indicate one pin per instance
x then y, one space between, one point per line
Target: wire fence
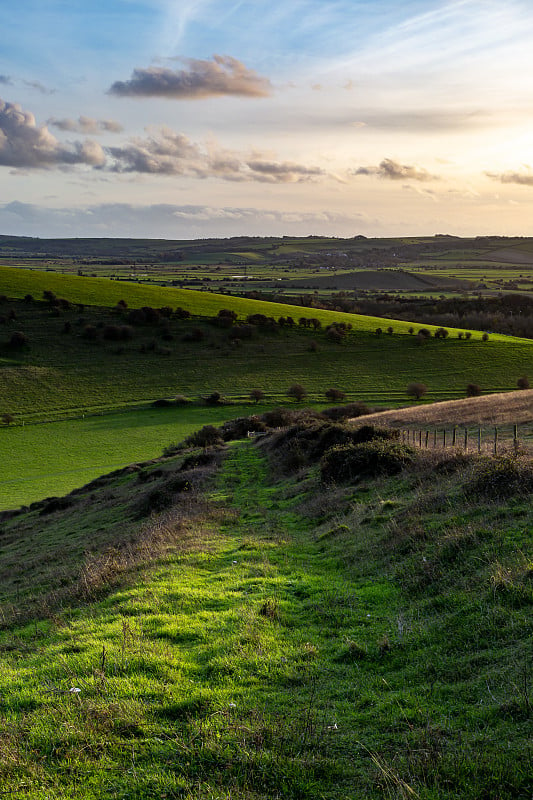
495 439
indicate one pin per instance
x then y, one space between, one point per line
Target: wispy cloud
394 171
521 178
6 80
39 87
23 144
223 75
86 125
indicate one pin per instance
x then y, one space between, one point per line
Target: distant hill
387 280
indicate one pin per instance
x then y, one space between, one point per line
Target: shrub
473 390
90 333
214 399
335 334
379 331
278 418
468 335
256 395
244 331
347 411
335 395
424 333
501 478
111 333
195 335
7 419
297 392
208 436
238 428
18 340
390 330
441 333
416 390
350 462
523 382
485 337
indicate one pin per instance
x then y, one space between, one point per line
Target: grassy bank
279 640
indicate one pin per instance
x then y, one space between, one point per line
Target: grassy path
266 657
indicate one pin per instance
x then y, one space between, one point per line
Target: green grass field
63 375
40 460
274 640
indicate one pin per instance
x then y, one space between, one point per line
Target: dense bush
214 399
346 412
242 332
473 390
18 340
501 478
523 382
334 395
238 428
208 436
350 462
307 440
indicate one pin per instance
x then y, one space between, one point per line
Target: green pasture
39 460
17 283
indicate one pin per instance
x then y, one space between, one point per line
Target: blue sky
200 117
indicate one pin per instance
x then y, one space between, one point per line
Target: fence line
495 438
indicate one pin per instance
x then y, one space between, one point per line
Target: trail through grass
268 656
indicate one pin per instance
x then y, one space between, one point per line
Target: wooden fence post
427 439
466 440
420 437
444 438
454 437
434 438
479 439
495 441
515 437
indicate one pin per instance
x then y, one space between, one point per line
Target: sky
192 119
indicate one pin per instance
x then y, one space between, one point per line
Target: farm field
40 460
62 373
65 373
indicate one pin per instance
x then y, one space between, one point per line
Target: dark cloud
522 178
173 221
223 75
25 145
5 79
86 125
170 153
392 170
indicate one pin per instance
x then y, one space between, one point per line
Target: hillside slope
222 624
497 409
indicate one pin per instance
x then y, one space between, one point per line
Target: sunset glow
199 118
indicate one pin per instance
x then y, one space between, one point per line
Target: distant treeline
510 314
